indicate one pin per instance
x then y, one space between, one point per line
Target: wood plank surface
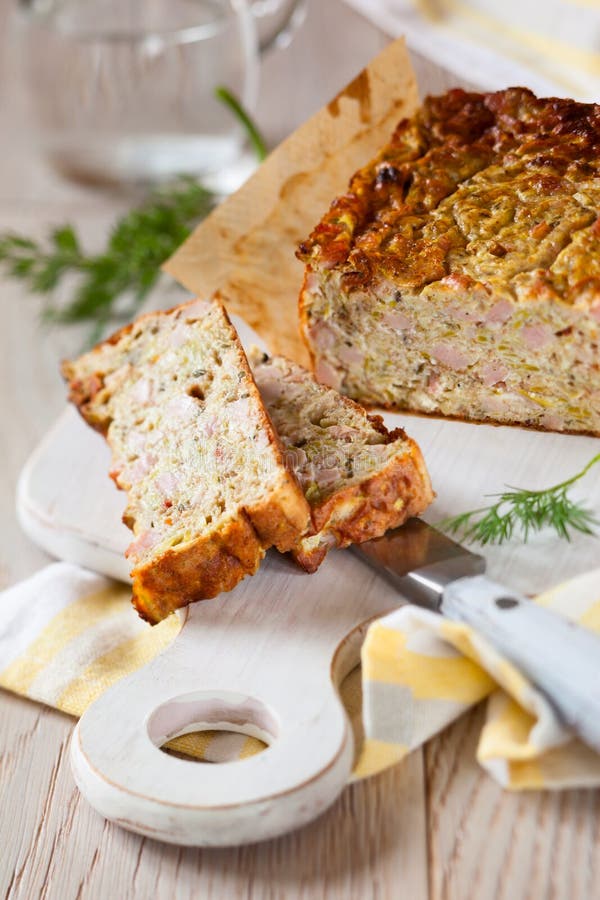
435 826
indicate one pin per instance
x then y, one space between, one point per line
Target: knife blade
558 656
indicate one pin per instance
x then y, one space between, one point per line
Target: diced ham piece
240 411
295 458
493 372
326 477
506 404
136 442
144 542
553 422
350 356
450 356
463 314
179 335
181 407
323 336
500 312
140 467
397 320
595 311
326 374
342 432
271 388
197 309
536 336
494 405
167 483
141 391
433 383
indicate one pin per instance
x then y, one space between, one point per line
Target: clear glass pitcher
124 90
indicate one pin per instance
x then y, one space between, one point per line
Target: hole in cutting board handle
212 711
213 747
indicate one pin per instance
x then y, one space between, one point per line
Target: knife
559 657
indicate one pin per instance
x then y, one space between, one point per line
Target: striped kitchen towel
552 47
420 672
67 634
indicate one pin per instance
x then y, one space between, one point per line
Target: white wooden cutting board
69 506
262 660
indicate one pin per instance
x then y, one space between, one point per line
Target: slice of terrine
359 478
208 488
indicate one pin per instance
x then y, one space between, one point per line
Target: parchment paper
245 249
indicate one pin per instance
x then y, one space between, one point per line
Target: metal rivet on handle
506 602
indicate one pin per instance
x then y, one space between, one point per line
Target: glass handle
276 21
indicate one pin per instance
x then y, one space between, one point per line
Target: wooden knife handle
559 657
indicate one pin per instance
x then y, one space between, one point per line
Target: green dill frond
518 510
111 286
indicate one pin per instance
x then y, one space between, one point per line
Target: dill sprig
519 509
110 286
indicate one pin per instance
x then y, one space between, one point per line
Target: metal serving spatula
559 657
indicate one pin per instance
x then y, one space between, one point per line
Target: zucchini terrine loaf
358 478
460 273
207 485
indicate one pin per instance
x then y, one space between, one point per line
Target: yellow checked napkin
420 672
550 46
67 634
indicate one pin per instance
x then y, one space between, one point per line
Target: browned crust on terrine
461 269
84 390
215 563
378 227
509 423
303 323
374 504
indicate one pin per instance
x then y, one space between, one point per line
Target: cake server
558 656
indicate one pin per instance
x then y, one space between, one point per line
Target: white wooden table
435 826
